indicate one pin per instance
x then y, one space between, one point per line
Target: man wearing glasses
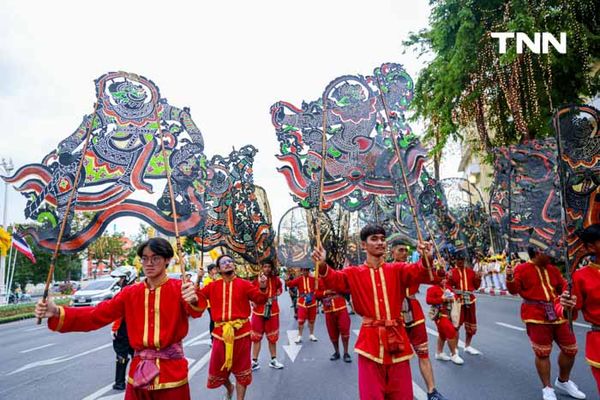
156 312
229 300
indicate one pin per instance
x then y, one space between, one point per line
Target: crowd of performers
382 293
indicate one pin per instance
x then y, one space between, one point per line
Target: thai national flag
21 245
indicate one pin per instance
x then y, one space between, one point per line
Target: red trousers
469 318
542 335
379 382
592 354
418 340
596 373
262 326
445 328
307 314
338 323
178 393
241 366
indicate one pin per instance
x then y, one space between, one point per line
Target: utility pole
7 167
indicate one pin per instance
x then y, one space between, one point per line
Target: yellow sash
229 328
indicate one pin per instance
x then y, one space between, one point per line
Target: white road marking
582 325
100 392
37 348
56 360
37 328
198 366
192 341
97 394
418 393
516 328
433 332
292 349
118 396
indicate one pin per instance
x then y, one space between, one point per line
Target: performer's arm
193 303
573 301
513 279
258 294
294 282
84 319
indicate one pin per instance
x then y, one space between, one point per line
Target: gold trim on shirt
157 318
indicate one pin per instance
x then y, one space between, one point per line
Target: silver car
94 292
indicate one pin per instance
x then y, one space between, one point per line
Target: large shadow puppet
124 155
360 160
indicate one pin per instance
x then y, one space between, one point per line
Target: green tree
67 266
107 247
505 97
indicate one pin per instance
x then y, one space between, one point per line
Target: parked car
94 292
177 275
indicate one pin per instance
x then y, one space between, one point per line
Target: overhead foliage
508 97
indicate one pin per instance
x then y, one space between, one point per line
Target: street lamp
7 167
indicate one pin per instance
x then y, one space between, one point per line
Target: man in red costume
265 317
464 281
337 320
229 300
586 298
378 289
307 303
414 322
539 283
156 312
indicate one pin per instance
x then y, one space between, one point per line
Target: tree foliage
505 97
67 267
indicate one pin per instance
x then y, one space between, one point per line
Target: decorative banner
526 187
361 163
580 140
124 155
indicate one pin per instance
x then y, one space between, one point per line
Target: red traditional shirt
274 289
377 296
156 318
230 301
332 301
306 288
465 280
537 284
586 286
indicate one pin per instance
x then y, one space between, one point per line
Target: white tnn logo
539 44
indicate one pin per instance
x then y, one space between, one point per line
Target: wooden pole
68 209
411 200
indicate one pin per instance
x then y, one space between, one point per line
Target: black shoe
435 395
119 386
347 358
335 356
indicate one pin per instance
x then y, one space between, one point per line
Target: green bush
15 312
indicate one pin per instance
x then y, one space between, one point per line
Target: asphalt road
36 363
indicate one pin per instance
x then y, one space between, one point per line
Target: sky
227 61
